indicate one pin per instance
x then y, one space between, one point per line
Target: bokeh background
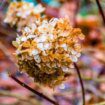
83 14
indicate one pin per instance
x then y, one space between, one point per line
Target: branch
89 52
81 82
33 91
102 103
8 55
97 80
41 2
101 11
17 96
95 91
5 50
6 30
2 4
76 11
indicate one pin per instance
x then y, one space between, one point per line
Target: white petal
26 29
6 20
18 40
37 58
27 12
18 52
64 46
42 38
53 21
48 64
31 36
40 46
33 27
73 52
78 54
62 86
35 52
19 14
31 5
24 39
46 46
65 69
38 9
51 37
71 66
44 53
67 55
42 29
24 7
73 58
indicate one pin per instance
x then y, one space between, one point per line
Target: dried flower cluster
20 14
47 49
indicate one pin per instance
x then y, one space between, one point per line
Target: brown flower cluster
47 49
20 14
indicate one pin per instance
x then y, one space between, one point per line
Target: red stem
101 11
32 90
81 82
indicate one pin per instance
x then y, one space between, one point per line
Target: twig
41 2
81 82
101 11
9 104
94 57
17 96
2 4
89 52
5 50
97 80
102 103
34 91
95 91
5 29
76 11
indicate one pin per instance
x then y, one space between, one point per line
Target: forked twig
102 103
76 11
33 91
101 11
6 93
5 50
41 2
81 82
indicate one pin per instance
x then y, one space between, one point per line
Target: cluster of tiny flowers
47 49
20 14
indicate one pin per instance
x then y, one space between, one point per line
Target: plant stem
101 11
2 4
41 2
9 56
81 82
31 101
102 103
76 11
34 91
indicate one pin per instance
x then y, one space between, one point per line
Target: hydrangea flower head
47 49
20 14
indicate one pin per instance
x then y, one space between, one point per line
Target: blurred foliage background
82 13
